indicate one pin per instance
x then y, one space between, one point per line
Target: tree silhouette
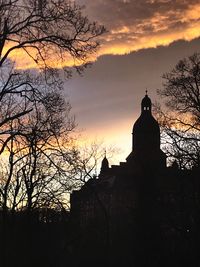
36 145
30 102
181 121
44 29
47 32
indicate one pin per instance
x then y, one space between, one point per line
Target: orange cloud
159 30
164 23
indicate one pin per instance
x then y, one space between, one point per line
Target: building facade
141 212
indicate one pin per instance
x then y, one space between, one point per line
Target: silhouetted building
141 212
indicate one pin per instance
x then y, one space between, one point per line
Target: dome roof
146 123
146 150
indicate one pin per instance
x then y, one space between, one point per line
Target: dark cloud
115 13
130 23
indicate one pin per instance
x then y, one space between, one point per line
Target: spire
104 164
146 104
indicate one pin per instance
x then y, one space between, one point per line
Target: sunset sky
145 39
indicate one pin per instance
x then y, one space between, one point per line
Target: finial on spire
105 152
146 91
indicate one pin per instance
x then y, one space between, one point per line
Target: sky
145 39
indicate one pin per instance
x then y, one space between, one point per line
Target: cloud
139 24
134 25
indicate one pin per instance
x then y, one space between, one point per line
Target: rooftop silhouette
130 212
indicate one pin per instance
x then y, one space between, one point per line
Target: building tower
104 165
146 150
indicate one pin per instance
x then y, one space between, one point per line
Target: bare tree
30 108
46 29
37 156
46 32
180 122
40 164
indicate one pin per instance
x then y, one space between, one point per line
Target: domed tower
146 130
146 138
104 165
